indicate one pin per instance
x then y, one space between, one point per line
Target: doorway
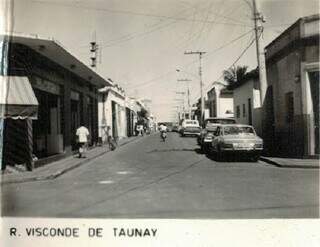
314 86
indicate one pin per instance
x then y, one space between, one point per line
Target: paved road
149 178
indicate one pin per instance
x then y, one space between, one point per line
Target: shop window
238 111
289 107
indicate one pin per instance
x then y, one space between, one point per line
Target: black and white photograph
160 109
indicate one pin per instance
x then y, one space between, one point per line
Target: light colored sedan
210 125
190 128
237 139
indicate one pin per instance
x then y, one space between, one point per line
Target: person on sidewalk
82 136
112 142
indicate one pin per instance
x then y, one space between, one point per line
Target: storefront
20 106
66 92
47 134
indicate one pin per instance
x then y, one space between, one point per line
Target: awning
54 51
17 99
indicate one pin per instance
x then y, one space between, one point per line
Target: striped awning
17 99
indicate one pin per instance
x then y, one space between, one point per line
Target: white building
220 101
112 112
246 97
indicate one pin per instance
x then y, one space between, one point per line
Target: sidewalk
56 169
292 163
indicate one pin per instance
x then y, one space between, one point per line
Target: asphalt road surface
149 178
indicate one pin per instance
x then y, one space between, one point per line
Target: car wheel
219 155
255 158
203 149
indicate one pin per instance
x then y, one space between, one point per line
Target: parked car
190 127
209 127
236 139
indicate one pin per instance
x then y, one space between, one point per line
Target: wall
105 109
226 104
284 58
219 102
248 90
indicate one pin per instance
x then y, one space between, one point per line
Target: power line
227 44
130 36
194 61
136 13
238 58
140 34
223 16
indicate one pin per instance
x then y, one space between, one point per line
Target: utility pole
188 94
258 28
200 53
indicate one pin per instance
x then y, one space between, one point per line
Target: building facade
67 95
247 107
112 112
220 101
292 62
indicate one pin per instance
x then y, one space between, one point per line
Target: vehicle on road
236 139
209 127
163 135
163 131
190 128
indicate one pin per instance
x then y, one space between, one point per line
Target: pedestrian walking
82 137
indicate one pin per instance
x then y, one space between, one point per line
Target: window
238 130
217 132
238 111
289 107
244 110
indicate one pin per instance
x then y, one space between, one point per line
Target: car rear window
192 122
221 121
237 130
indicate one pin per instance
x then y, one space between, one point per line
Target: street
149 178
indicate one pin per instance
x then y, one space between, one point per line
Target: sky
142 42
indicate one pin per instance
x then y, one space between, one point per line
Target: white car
190 127
209 127
237 139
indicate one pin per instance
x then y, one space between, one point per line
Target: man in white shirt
163 131
82 134
162 128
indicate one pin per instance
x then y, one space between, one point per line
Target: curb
272 162
63 171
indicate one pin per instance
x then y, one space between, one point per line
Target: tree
234 76
142 113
